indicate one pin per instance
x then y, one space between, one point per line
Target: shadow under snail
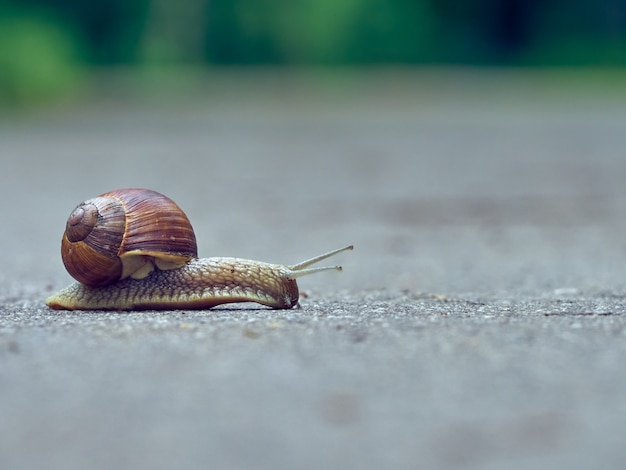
133 249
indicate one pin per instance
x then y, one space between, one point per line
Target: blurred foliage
38 60
319 32
41 55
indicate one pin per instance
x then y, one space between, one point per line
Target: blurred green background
51 49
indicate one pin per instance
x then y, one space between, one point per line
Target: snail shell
126 233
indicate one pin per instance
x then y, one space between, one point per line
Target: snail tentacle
302 268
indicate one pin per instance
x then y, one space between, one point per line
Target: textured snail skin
200 284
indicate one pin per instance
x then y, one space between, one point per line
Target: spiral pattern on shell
126 233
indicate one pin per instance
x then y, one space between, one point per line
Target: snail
135 249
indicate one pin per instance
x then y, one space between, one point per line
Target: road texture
480 321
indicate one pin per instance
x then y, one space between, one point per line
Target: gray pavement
479 323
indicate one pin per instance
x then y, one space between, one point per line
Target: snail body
135 249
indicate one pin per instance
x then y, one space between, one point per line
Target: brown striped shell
126 233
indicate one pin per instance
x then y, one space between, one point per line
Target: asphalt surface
480 321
